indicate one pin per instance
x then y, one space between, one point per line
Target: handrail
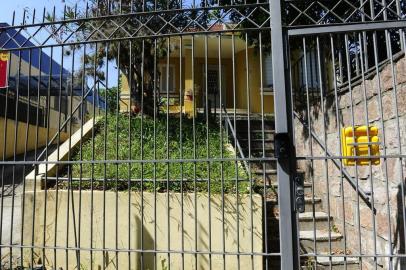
368 74
363 194
237 144
65 122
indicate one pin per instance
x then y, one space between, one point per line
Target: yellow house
234 76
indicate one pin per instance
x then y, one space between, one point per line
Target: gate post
284 150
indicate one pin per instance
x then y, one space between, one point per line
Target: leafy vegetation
119 138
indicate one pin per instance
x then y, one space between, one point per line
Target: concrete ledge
34 178
132 222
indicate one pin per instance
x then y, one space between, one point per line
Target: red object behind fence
3 70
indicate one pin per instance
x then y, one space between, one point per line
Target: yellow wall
21 137
147 230
240 83
125 89
254 86
227 73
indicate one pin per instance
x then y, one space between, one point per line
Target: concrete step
337 263
255 131
307 187
258 148
256 140
272 203
322 239
261 171
257 145
255 124
318 220
258 152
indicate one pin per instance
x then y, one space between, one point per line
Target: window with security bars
167 79
267 73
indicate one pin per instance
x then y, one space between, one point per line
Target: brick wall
351 215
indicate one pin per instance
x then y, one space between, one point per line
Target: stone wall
352 216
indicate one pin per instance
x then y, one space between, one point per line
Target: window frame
162 69
266 89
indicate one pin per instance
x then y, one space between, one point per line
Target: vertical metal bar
117 112
48 115
58 152
352 120
338 119
25 153
323 112
4 153
142 151
95 93
154 149
247 85
130 83
310 126
107 47
385 164
3 167
194 151
208 113
263 165
71 98
16 122
168 211
221 152
236 153
181 78
82 108
288 220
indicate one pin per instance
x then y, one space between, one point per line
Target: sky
9 6
18 6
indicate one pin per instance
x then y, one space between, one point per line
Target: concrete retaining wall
124 209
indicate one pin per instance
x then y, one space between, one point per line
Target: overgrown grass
118 138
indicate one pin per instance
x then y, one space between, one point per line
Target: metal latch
299 194
282 145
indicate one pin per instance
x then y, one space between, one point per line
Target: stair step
305 185
308 216
336 260
272 171
266 171
320 221
256 148
307 200
321 238
321 235
245 130
273 202
337 263
257 145
256 140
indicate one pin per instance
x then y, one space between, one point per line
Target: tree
310 12
135 58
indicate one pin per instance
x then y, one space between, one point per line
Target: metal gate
204 135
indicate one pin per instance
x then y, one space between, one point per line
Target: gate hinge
299 194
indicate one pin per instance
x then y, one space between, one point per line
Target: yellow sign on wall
4 56
364 141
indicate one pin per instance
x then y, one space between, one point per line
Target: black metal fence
204 135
